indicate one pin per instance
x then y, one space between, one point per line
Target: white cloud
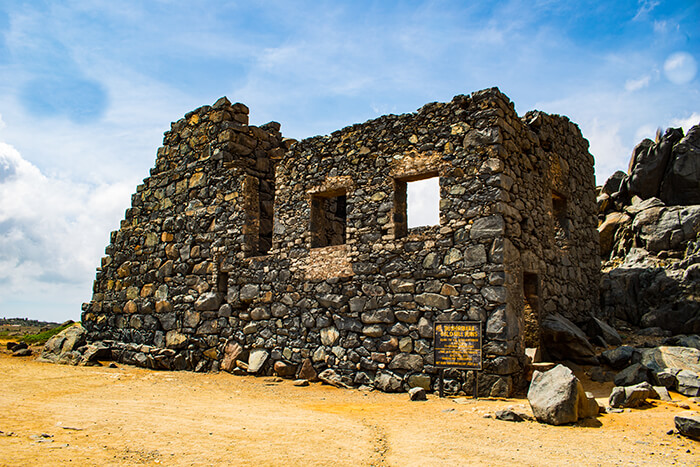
687 123
645 7
632 85
680 68
52 234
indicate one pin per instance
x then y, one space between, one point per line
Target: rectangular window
259 196
328 219
416 203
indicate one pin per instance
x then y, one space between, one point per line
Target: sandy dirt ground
61 415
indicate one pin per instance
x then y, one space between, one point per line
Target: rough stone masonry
246 250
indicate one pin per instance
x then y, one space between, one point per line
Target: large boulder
648 164
666 228
634 374
557 397
681 183
660 358
65 342
563 340
605 334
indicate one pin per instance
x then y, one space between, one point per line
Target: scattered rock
232 351
508 415
632 396
557 396
329 376
387 382
14 346
301 382
688 424
256 360
285 369
688 383
417 394
307 371
22 353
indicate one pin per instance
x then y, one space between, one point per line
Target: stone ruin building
246 251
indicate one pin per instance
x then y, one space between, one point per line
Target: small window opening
259 195
328 219
416 203
561 219
222 283
531 309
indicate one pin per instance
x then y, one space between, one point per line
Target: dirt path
132 416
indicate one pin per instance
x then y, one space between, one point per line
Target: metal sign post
457 344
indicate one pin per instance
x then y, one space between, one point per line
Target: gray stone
407 361
256 360
633 374
433 300
688 383
22 353
209 301
385 316
417 394
249 292
419 381
632 396
688 424
609 335
554 396
329 376
683 358
387 382
487 227
508 415
619 357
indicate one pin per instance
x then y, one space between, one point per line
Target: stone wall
202 273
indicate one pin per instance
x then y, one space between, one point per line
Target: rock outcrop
649 226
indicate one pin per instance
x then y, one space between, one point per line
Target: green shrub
42 337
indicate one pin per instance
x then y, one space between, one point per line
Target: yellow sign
457 344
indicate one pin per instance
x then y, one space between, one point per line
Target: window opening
222 283
259 195
416 203
531 309
328 219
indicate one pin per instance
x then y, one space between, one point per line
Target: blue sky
88 87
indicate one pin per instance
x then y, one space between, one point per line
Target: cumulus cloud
52 234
